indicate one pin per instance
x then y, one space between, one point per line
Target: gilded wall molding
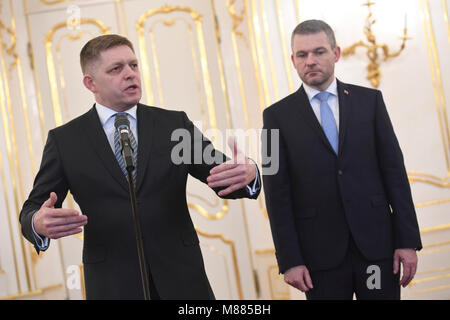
32 293
52 2
224 259
232 246
51 64
202 70
236 18
12 151
441 107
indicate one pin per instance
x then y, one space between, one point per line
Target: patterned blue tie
327 119
118 153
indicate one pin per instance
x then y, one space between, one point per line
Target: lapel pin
346 92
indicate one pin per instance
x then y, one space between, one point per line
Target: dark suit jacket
317 198
77 156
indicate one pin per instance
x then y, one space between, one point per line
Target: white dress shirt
107 119
333 101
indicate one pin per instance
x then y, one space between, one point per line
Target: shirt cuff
42 244
253 189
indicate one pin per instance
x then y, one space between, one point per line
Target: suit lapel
146 132
102 147
344 96
308 114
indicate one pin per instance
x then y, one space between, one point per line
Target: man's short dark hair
313 27
92 49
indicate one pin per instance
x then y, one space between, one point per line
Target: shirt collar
311 92
104 113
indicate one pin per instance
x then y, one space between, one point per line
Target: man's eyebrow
314 49
120 62
114 63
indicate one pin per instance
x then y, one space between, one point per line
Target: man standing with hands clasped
83 156
340 206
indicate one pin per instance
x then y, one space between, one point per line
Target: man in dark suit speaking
83 156
340 205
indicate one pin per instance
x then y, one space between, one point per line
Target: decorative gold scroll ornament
10 50
374 72
237 18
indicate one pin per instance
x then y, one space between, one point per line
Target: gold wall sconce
373 68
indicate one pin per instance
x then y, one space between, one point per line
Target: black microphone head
121 121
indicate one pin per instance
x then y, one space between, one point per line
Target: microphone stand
127 154
139 238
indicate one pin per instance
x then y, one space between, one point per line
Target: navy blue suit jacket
317 198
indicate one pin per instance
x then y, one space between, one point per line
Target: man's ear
89 83
337 53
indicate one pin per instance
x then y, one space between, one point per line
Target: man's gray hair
313 27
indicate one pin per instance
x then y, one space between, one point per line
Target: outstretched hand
56 223
234 174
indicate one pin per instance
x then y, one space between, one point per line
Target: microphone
122 125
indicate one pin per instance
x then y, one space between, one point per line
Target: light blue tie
327 119
118 153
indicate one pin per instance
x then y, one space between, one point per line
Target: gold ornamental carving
236 18
373 68
11 48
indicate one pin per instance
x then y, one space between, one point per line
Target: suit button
340 172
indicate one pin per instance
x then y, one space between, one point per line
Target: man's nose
310 59
129 73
